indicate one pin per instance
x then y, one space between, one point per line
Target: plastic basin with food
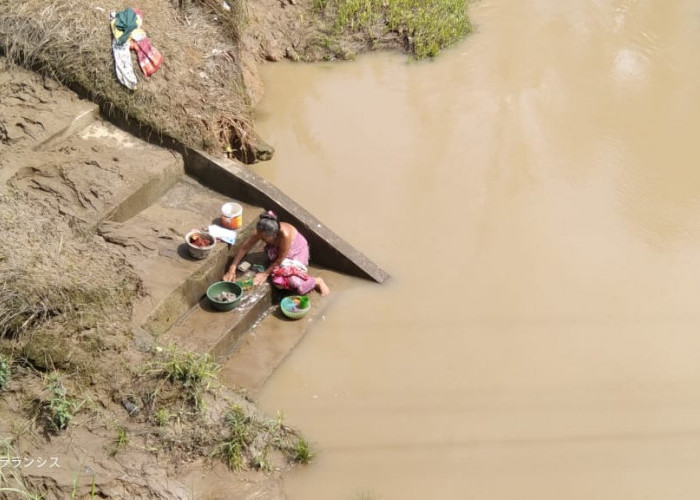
224 295
199 243
295 306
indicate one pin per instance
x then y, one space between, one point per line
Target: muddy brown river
535 195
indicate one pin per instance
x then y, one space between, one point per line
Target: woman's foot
321 287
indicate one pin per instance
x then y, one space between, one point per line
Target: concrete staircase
144 199
147 205
252 339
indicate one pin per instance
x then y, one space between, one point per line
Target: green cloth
126 22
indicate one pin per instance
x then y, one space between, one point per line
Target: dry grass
197 97
61 289
52 273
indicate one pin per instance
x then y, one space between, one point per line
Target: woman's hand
230 275
260 278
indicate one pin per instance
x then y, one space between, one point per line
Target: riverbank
209 83
124 416
90 404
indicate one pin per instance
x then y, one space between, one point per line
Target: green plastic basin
293 311
224 286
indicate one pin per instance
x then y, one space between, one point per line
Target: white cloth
293 263
223 234
123 66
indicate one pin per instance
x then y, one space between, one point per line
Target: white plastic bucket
231 215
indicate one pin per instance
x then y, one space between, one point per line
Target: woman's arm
245 248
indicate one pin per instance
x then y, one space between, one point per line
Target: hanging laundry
124 23
123 65
150 59
128 34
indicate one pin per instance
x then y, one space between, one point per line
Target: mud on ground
204 93
89 409
199 94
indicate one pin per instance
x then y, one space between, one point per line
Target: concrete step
37 112
207 330
262 349
148 170
154 245
100 173
85 114
204 329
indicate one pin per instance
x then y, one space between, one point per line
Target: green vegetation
120 442
241 435
249 440
162 417
191 371
74 495
59 409
301 452
426 26
232 453
5 371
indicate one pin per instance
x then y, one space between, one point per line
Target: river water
535 194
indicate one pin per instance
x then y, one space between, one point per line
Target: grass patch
193 373
5 371
249 441
59 408
232 453
301 452
162 417
120 442
426 26
241 434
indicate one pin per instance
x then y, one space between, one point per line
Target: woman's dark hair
268 224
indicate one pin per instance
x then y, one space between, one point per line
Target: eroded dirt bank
89 404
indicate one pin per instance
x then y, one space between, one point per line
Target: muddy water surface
535 195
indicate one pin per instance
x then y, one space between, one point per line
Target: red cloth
150 59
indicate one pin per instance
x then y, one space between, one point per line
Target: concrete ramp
329 249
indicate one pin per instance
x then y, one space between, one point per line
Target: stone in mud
142 340
131 407
255 150
273 51
263 150
46 352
